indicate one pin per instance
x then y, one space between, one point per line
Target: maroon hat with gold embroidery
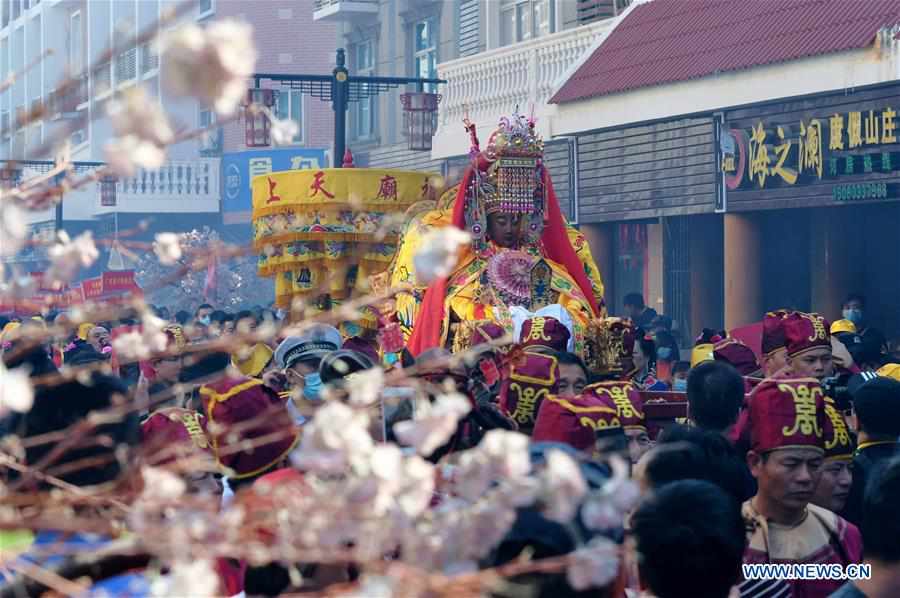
532 376
543 331
230 404
804 332
575 421
839 445
788 413
733 351
173 433
773 331
626 399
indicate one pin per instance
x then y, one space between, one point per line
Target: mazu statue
524 259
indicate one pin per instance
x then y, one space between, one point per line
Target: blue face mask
679 385
854 315
312 386
205 320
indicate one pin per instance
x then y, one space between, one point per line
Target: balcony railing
344 10
491 84
186 180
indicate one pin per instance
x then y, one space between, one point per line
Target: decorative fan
509 273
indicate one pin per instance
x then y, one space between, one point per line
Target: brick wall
288 41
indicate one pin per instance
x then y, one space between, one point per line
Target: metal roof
665 41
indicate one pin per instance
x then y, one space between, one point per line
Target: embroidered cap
839 445
545 331
626 399
773 337
577 420
230 404
788 413
804 332
733 351
532 377
173 433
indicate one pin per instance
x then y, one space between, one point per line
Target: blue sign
239 168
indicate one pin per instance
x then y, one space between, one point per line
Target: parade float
323 234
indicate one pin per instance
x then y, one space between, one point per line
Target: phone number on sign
860 191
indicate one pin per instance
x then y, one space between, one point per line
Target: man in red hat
578 421
834 484
251 430
630 409
808 346
788 424
731 350
545 333
171 435
774 354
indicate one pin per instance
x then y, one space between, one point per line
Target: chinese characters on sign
786 154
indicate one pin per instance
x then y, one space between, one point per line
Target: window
364 109
16 9
149 58
521 20
211 141
425 51
4 8
289 106
206 8
76 45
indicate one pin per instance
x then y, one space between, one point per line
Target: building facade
496 55
42 42
722 182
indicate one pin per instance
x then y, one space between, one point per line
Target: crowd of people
773 461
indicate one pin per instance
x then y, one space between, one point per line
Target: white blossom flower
283 131
137 346
606 508
167 247
130 347
508 452
336 438
438 253
417 486
124 155
434 424
134 112
211 64
161 484
13 228
68 256
364 387
16 391
196 578
565 487
595 565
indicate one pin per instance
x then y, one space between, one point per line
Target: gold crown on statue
608 343
515 151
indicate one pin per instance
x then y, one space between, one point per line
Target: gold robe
468 301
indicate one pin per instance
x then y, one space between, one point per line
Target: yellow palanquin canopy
324 232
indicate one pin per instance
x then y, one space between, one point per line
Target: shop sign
810 150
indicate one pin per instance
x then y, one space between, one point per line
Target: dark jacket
864 461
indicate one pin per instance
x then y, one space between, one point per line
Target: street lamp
419 117
340 88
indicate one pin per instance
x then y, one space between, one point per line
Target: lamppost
341 88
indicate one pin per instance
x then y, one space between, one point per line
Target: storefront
718 217
809 192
